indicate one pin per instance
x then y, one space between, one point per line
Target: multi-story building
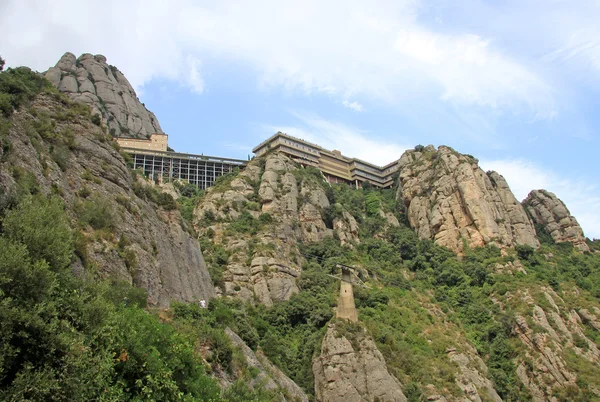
152 158
336 167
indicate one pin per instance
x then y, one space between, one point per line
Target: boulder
549 212
450 200
353 370
112 96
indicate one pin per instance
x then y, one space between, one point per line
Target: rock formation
352 369
450 200
263 266
268 376
89 79
552 214
548 335
139 242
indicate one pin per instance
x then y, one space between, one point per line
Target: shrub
96 212
41 224
18 86
61 156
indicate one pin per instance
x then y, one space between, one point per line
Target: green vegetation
64 338
151 193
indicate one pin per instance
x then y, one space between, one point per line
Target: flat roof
329 152
170 154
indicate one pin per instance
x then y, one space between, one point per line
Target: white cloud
195 79
357 107
350 141
470 71
581 198
378 50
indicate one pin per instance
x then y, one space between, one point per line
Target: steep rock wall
269 376
140 242
557 341
89 79
450 200
552 214
353 370
263 264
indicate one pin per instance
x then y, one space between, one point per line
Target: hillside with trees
93 306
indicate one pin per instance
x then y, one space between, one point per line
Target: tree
2 63
41 224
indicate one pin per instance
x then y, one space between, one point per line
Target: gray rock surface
168 261
264 267
552 214
269 376
450 200
548 333
89 79
353 370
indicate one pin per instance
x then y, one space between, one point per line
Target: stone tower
346 308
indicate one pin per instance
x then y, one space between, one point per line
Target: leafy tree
372 203
41 224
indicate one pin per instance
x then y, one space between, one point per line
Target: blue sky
514 83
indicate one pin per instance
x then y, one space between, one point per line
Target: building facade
336 167
156 142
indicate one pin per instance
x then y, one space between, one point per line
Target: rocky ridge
269 376
552 214
90 80
450 200
129 238
353 370
549 331
264 263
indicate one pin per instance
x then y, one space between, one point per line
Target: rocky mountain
56 149
90 80
353 370
450 200
275 205
553 216
468 294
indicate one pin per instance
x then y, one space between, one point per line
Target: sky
516 83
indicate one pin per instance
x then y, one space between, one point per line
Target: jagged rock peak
146 246
452 201
352 369
552 214
89 79
290 201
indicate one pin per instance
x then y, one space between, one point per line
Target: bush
19 86
41 224
96 119
96 212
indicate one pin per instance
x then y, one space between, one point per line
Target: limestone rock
264 266
449 199
353 370
346 229
552 214
269 376
470 380
548 334
89 79
168 262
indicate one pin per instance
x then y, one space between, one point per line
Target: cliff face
259 217
552 214
269 376
90 80
450 200
55 148
353 370
556 340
